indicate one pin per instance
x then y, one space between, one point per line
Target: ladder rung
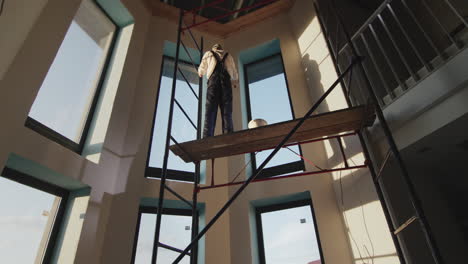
382 167
405 225
185 114
188 83
191 35
188 54
171 248
178 196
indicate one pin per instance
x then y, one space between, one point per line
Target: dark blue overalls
219 93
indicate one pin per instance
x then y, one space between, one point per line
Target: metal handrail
408 184
367 23
401 74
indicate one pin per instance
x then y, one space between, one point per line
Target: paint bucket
257 123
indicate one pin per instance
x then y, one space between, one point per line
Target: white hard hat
257 123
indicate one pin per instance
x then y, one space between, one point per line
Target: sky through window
24 212
286 239
64 99
269 100
174 232
182 129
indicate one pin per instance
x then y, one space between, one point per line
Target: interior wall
434 102
330 227
23 14
117 182
37 42
232 244
132 184
360 210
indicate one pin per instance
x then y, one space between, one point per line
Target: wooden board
251 140
158 8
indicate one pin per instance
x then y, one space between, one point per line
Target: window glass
175 232
269 100
168 256
64 100
182 128
289 236
25 222
145 239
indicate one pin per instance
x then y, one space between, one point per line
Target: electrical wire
305 159
364 220
245 166
251 159
346 218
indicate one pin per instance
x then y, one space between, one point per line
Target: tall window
30 217
184 120
287 234
268 98
176 231
64 106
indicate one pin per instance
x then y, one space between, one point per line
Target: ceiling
220 9
447 146
222 27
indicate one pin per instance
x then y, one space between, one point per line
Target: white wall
229 240
356 198
330 226
23 15
36 43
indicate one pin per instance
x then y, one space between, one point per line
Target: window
268 98
176 230
287 234
66 101
183 127
31 212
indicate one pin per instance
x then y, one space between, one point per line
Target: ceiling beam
202 3
237 5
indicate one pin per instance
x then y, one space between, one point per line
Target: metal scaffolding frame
163 186
356 62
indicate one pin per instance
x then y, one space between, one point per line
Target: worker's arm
232 70
203 65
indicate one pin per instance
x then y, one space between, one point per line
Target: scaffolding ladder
163 184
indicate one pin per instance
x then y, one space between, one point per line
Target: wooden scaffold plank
266 137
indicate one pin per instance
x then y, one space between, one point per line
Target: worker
220 70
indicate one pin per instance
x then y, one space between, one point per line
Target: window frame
27 180
55 136
283 168
279 207
154 172
166 211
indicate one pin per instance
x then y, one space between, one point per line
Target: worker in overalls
220 69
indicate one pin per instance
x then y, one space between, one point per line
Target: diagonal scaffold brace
262 166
